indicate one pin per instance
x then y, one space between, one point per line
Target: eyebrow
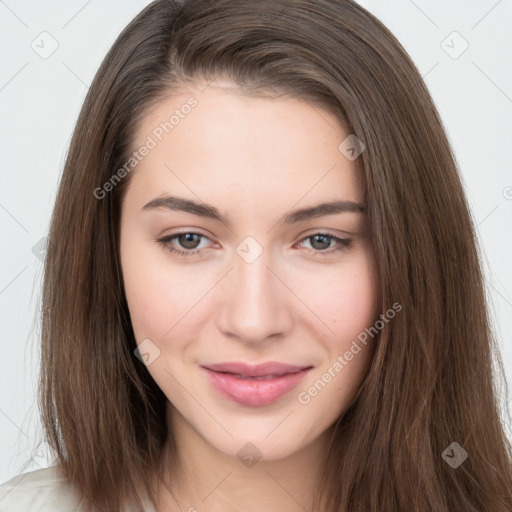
206 210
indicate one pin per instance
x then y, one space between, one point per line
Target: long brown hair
430 383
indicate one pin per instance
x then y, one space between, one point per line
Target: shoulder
45 490
42 490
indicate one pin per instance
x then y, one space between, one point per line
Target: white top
43 490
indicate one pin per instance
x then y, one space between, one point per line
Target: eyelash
343 244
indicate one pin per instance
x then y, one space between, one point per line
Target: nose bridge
255 305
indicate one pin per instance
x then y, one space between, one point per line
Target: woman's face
258 281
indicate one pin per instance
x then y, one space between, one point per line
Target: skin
255 159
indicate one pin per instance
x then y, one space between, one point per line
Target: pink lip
227 379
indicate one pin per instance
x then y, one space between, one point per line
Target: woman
262 289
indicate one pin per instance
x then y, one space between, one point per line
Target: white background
40 101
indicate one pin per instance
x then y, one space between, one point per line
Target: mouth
254 386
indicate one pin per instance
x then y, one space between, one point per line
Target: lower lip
252 392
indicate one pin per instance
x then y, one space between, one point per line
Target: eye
189 241
325 239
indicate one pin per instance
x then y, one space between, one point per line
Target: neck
209 480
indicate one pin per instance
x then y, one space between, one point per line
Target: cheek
166 303
349 305
155 300
356 303
345 298
158 292
149 289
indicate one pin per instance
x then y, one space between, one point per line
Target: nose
255 303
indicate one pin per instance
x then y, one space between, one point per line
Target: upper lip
258 370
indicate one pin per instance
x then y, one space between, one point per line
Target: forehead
221 145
